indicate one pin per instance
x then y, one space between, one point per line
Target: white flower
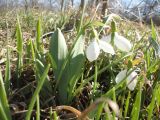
121 42
131 79
93 50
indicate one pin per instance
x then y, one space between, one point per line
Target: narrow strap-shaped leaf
153 101
7 72
38 88
38 35
3 115
3 99
76 64
19 49
154 35
137 105
127 104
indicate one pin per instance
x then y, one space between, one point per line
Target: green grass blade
154 36
39 87
127 104
153 102
32 50
114 99
38 36
38 108
3 115
53 63
95 78
19 38
99 111
136 107
29 52
3 99
7 72
40 64
19 49
55 115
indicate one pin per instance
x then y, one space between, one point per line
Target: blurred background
133 9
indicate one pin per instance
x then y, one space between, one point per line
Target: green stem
95 78
38 109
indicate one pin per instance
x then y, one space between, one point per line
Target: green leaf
99 111
154 36
158 95
41 63
53 63
113 26
7 72
58 50
75 66
55 115
136 107
4 106
38 36
152 105
3 115
38 88
155 45
37 108
19 38
127 104
47 90
19 49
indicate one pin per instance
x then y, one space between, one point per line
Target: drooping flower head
94 47
120 42
131 79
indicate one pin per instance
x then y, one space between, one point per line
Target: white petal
132 81
122 43
106 38
92 51
121 75
106 47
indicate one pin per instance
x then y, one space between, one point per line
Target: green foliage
58 51
36 93
19 50
40 62
7 72
137 106
68 65
4 106
154 101
72 76
38 36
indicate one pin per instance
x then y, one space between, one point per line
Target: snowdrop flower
121 42
131 79
93 50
